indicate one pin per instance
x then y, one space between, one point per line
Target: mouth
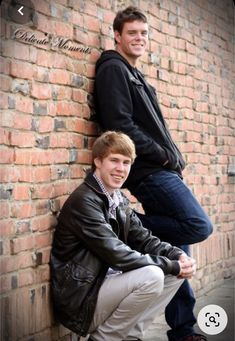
118 177
138 45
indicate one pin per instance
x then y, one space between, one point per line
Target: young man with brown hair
125 101
110 276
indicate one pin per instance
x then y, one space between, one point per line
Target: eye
127 162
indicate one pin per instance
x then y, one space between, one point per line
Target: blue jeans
174 215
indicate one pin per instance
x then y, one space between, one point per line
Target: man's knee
202 229
154 278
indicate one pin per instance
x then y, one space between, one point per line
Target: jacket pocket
80 274
77 284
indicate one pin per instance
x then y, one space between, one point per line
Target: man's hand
187 267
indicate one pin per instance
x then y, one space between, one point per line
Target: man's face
113 170
132 42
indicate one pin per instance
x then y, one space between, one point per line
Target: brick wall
47 131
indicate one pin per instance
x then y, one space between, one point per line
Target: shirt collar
113 200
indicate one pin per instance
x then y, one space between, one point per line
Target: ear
117 36
97 162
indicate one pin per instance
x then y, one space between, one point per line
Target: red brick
59 62
41 174
62 29
108 15
84 157
23 174
59 140
5 284
90 70
7 156
67 108
23 157
6 227
24 104
86 112
22 121
3 100
4 65
21 70
61 92
41 91
78 125
92 22
82 37
44 24
45 124
43 223
60 156
78 21
21 192
41 74
59 77
43 6
34 157
42 191
22 139
43 239
26 277
93 40
5 83
93 56
4 136
43 273
22 211
79 95
22 244
76 172
51 109
15 262
44 58
90 8
16 50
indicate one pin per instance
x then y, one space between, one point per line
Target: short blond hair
113 142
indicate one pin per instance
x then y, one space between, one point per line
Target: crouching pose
110 276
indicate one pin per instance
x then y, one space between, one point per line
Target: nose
138 36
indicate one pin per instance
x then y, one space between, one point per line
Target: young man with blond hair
110 277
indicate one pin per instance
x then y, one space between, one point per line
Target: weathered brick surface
47 132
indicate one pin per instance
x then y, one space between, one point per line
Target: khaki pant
129 302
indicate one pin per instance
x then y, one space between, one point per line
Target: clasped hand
187 267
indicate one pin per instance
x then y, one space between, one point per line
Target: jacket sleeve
96 234
115 111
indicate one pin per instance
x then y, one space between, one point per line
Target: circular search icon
212 319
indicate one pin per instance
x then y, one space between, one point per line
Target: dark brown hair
129 14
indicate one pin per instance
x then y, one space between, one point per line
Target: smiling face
132 41
113 170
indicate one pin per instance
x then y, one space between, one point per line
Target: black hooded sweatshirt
126 102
